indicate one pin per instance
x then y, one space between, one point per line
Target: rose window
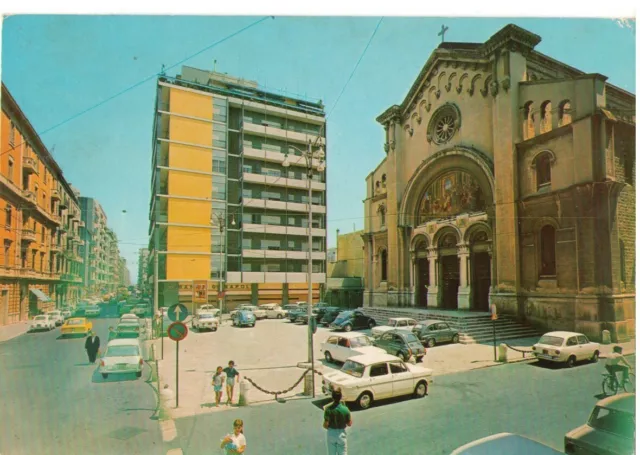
444 124
445 127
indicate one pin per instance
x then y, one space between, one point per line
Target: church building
509 179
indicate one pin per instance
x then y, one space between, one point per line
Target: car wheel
138 374
279 316
421 390
419 359
431 342
327 357
594 358
215 329
347 328
571 361
456 338
365 400
372 324
105 375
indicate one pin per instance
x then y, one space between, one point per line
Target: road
55 402
540 402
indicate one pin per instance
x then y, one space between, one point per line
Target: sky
59 66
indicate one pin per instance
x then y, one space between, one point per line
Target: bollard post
244 389
502 353
606 337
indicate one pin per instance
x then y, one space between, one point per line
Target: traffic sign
221 295
177 331
177 312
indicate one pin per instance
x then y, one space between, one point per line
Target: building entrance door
423 281
481 281
450 282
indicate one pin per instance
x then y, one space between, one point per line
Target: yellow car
76 326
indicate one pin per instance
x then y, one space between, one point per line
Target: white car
365 378
92 310
394 323
205 320
122 356
340 346
206 308
505 444
139 310
274 311
129 316
244 307
566 347
41 322
66 314
56 316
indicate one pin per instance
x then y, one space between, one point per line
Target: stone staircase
474 327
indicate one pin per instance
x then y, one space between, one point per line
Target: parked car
76 326
244 318
322 310
128 329
394 323
259 312
505 444
349 320
66 314
273 311
122 357
124 308
330 315
205 320
206 308
303 316
56 316
402 344
294 314
339 347
243 307
610 429
565 347
140 310
432 331
41 322
365 378
92 311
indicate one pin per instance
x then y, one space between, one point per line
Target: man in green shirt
337 418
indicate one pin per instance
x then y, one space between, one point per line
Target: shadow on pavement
377 403
556 366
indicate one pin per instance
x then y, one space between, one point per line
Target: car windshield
122 351
75 322
617 422
551 341
40 318
360 342
353 368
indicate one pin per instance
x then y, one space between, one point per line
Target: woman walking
232 374
235 442
217 385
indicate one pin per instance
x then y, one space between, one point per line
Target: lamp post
309 155
221 225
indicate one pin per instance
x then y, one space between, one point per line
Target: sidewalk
10 331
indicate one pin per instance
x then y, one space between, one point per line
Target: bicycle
611 384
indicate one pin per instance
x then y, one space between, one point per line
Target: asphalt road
541 402
55 402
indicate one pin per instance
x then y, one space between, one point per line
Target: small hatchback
401 343
431 332
121 357
244 319
565 347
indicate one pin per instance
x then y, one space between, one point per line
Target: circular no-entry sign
177 331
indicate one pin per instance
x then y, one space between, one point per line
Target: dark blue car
244 318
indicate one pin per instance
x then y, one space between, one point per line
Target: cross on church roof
443 31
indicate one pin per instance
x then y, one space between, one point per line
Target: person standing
232 376
235 442
92 346
217 385
337 418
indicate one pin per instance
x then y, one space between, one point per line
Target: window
529 126
45 175
247 244
543 170
10 170
33 260
402 323
573 341
443 124
397 367
564 113
12 134
548 251
271 195
219 135
583 339
332 340
220 109
545 117
383 265
8 215
42 262
42 234
247 168
218 187
443 326
219 163
379 369
269 244
271 219
382 214
247 193
387 337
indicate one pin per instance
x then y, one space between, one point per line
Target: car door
359 320
573 348
402 378
384 341
330 345
380 380
586 350
443 332
396 345
342 349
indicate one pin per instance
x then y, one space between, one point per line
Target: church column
491 274
432 291
463 289
412 278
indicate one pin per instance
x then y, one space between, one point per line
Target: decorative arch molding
468 159
450 81
543 221
459 88
443 231
472 86
534 160
477 226
418 239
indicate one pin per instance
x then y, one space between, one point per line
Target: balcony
279 133
28 235
30 196
282 254
282 181
64 203
283 206
277 157
282 277
29 165
55 195
55 248
278 229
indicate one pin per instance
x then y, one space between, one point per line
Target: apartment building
96 275
143 266
39 263
219 146
124 279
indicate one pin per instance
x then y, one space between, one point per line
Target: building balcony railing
282 254
32 273
28 235
30 196
64 203
55 248
282 181
284 230
55 194
29 165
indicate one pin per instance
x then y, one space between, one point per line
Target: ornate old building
509 178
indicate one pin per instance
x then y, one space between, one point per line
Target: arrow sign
177 312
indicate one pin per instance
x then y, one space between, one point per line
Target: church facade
509 178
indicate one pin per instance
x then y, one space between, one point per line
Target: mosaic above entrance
451 194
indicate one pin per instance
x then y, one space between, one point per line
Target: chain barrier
519 350
282 392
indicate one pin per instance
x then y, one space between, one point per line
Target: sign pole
494 316
177 376
162 336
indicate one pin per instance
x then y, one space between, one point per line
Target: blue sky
57 66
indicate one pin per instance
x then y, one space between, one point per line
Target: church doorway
481 281
450 282
423 281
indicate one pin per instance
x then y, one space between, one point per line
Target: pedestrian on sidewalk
92 346
233 375
217 385
337 418
235 442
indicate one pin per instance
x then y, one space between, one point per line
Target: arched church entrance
449 271
422 273
480 271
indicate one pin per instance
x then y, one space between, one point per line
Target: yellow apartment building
218 148
39 222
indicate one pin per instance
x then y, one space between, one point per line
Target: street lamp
221 224
309 156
